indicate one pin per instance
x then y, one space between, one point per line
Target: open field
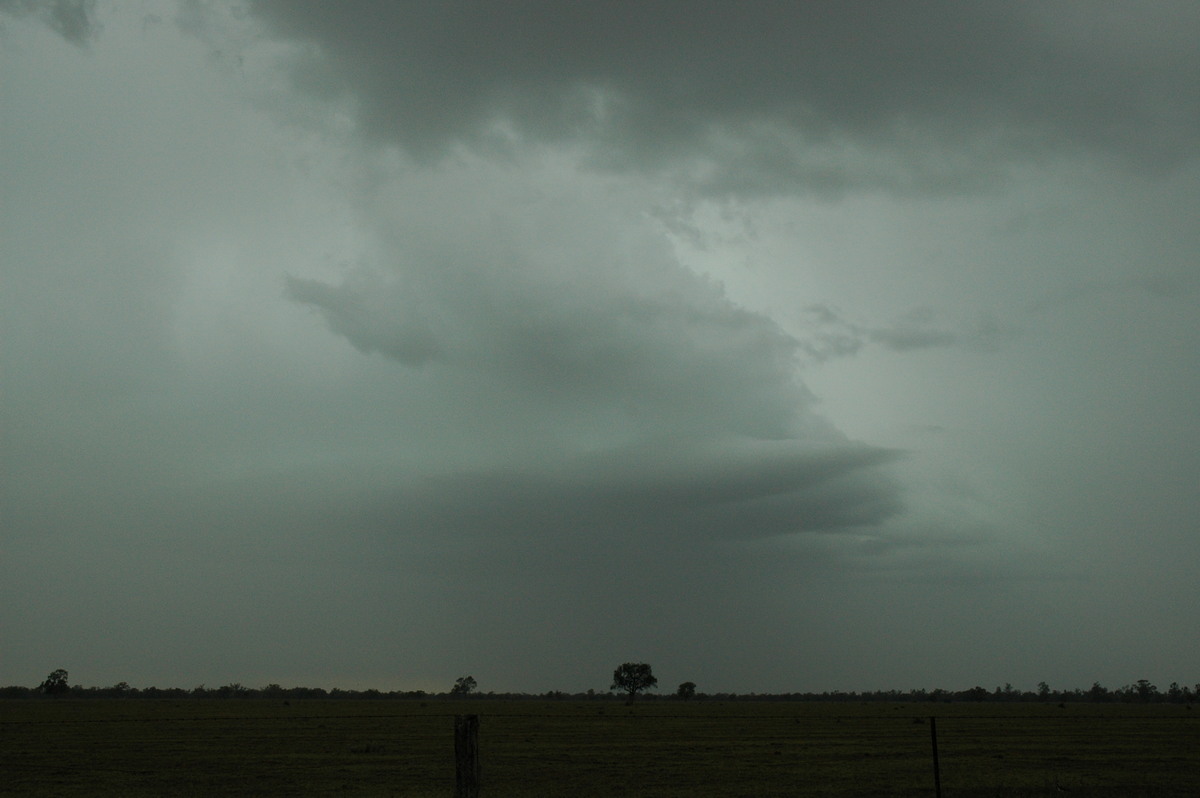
200 747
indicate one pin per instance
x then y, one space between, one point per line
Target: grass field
203 747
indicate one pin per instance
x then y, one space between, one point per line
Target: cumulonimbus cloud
665 409
762 97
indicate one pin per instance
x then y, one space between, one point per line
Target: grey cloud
694 424
710 359
829 334
764 97
354 311
74 20
902 339
667 491
687 358
916 330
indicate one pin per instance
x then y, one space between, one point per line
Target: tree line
630 681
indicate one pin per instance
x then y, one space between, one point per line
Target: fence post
467 768
937 772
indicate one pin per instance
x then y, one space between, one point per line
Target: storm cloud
775 98
785 346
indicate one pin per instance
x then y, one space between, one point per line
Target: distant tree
56 683
463 685
1145 690
1098 692
686 691
633 678
1043 691
233 690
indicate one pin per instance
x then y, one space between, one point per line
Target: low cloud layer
663 491
767 98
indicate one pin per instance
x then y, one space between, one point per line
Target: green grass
653 749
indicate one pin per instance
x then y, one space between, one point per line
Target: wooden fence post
937 772
467 768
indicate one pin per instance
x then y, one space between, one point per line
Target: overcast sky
784 346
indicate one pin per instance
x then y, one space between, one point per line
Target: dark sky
785 346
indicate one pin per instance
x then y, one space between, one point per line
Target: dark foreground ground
210 747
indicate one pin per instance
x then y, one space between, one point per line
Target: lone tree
463 685
56 683
633 678
686 691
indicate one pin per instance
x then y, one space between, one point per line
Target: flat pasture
652 749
